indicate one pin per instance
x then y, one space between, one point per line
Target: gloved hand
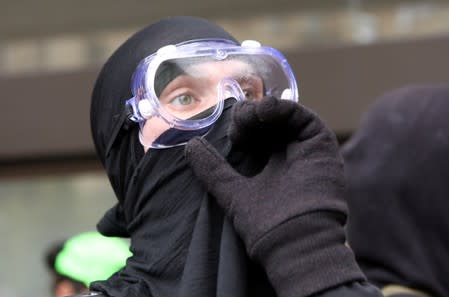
291 214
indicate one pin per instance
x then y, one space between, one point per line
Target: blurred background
345 53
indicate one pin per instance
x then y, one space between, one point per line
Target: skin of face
196 90
66 288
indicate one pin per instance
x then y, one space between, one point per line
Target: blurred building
344 53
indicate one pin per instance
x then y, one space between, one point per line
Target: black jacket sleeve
354 289
113 223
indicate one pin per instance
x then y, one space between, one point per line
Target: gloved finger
314 140
214 172
273 111
245 123
250 115
268 124
256 124
306 124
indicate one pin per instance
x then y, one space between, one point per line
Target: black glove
291 214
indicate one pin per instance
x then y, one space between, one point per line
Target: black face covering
181 242
397 167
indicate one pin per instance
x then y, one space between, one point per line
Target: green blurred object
90 256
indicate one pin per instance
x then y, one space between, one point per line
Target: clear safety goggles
179 91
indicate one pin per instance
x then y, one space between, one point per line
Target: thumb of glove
213 171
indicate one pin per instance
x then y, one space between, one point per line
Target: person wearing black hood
80 259
397 168
225 184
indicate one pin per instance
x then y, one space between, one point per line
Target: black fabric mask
397 167
181 242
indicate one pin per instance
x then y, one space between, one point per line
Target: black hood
397 167
113 88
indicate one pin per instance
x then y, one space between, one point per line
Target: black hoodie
397 167
182 243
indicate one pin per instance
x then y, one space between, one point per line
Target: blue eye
182 100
